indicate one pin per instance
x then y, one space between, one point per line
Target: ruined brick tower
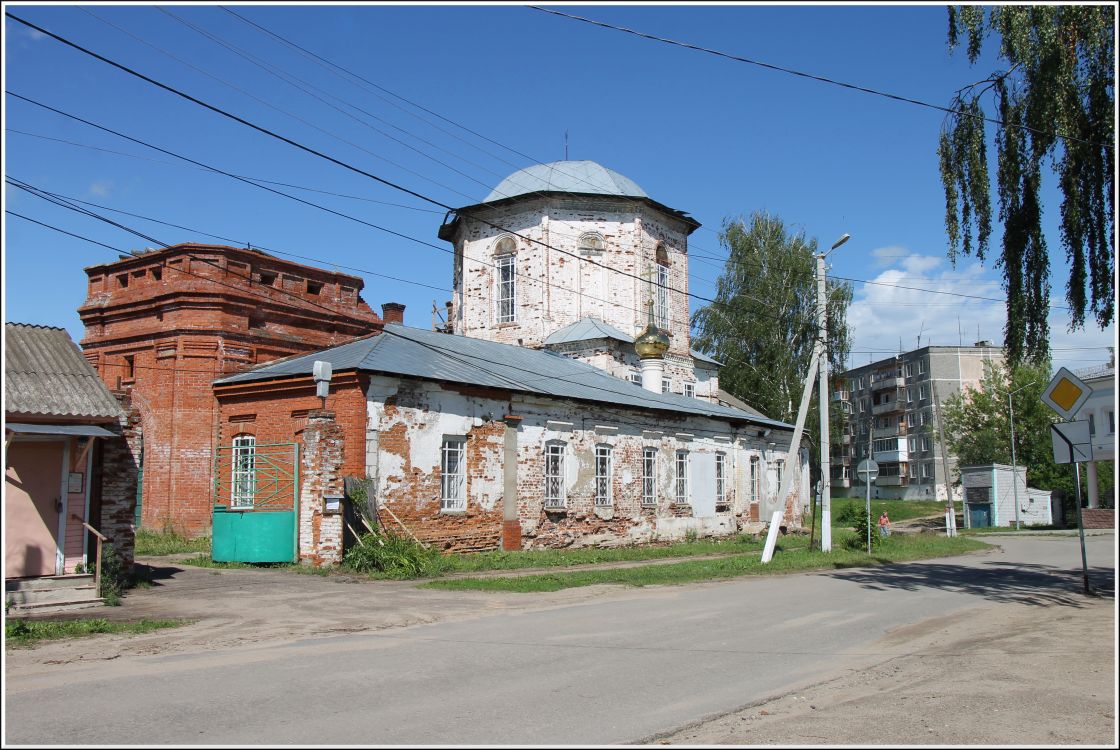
164 325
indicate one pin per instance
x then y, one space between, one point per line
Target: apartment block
892 408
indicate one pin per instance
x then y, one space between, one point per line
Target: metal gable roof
414 352
45 373
586 329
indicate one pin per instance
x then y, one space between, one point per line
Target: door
32 497
702 477
979 515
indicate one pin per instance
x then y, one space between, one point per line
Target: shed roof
46 374
414 352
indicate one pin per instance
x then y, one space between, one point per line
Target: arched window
661 305
243 483
505 295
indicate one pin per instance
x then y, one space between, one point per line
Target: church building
561 405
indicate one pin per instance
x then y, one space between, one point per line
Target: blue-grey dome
566 177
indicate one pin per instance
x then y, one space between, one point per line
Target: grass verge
28 632
792 556
149 542
898 510
591 556
497 560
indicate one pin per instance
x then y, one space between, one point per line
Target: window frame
649 476
505 295
555 485
721 477
604 475
661 304
690 390
453 481
243 472
680 478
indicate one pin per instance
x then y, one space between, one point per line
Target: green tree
762 325
1053 104
978 428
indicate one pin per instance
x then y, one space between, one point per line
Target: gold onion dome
652 343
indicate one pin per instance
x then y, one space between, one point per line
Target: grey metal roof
567 177
1095 371
45 373
58 429
704 357
414 352
585 329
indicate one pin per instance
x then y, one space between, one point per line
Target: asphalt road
615 670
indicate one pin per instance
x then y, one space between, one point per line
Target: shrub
850 514
392 556
114 575
858 541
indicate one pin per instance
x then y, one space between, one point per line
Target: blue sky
699 133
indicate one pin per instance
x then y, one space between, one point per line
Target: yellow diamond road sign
1066 394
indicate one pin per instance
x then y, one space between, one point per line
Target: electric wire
822 79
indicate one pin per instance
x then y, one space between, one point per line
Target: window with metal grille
682 477
721 495
661 309
244 480
649 476
507 288
778 467
453 474
554 491
604 494
756 477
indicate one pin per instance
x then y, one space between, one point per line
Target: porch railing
101 538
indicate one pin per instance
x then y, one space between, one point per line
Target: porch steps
50 593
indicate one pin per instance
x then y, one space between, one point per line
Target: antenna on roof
565 145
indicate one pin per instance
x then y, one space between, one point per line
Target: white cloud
886 315
101 188
35 34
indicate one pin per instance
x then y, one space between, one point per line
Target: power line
822 79
450 353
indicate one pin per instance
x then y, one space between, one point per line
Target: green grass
149 542
792 556
550 558
28 632
898 510
1011 529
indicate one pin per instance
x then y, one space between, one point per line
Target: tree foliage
978 427
1054 103
762 325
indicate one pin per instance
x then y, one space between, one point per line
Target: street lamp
1014 468
822 374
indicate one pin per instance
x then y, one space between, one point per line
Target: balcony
890 457
891 481
897 430
894 381
890 407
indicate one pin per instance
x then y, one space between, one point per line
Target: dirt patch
1005 674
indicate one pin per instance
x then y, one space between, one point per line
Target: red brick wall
187 316
416 502
1098 518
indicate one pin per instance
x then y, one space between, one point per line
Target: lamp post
822 373
1014 468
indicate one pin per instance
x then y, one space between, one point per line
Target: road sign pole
869 513
1080 526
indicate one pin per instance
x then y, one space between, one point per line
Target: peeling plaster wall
408 420
569 288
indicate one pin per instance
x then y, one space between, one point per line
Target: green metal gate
256 496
